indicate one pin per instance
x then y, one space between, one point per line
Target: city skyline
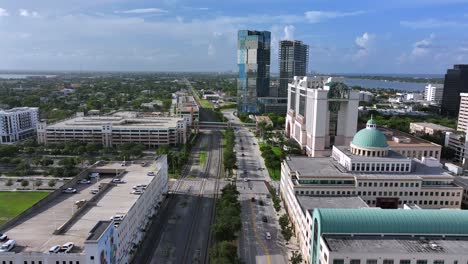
176 35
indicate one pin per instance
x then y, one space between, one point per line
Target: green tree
24 183
224 252
296 258
52 183
9 183
38 183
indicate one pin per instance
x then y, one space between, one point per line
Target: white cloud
27 13
142 11
289 32
422 47
363 44
211 50
432 23
3 12
318 16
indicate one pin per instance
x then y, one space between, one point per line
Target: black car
264 219
260 202
252 199
243 155
242 148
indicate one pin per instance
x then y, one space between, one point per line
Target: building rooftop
35 234
391 222
433 126
328 167
376 245
17 109
392 155
413 141
118 120
98 229
312 202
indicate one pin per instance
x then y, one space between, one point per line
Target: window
355 261
388 261
338 261
371 261
405 261
438 262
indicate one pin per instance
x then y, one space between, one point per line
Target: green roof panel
396 221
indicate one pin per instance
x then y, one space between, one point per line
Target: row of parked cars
65 248
139 189
8 244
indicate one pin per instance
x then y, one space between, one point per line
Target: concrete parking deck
35 234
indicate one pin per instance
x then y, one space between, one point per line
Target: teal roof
370 138
371 122
392 221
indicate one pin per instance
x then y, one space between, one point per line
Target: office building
116 129
456 82
277 105
300 212
433 93
457 140
185 106
293 60
17 124
253 60
106 228
376 236
462 124
367 167
425 128
322 112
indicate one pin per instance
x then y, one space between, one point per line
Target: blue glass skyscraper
253 60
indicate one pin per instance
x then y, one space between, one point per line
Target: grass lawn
206 104
274 174
202 157
13 203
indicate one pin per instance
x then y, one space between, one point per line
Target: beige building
422 128
322 112
185 106
411 146
116 129
463 113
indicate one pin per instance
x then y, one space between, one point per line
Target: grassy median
14 203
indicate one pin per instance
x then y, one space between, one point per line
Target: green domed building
369 141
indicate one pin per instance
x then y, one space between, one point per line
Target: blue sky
358 36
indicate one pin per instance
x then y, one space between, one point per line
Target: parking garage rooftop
36 233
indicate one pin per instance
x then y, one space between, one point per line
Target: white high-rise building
322 112
433 93
17 124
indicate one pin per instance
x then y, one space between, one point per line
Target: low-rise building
366 96
116 129
17 124
355 236
185 106
300 209
411 146
369 168
107 228
422 128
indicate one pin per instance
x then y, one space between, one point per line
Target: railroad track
203 253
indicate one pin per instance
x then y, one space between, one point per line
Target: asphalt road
254 247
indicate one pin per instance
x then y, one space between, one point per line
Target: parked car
140 187
67 247
137 192
264 219
260 202
7 246
69 190
19 180
117 217
80 203
252 199
254 144
246 179
54 249
151 173
84 181
242 148
94 175
118 181
94 191
243 155
268 235
3 237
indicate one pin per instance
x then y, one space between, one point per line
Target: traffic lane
247 241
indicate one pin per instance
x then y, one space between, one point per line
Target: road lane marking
265 249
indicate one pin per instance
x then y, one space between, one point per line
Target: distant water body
22 76
405 86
